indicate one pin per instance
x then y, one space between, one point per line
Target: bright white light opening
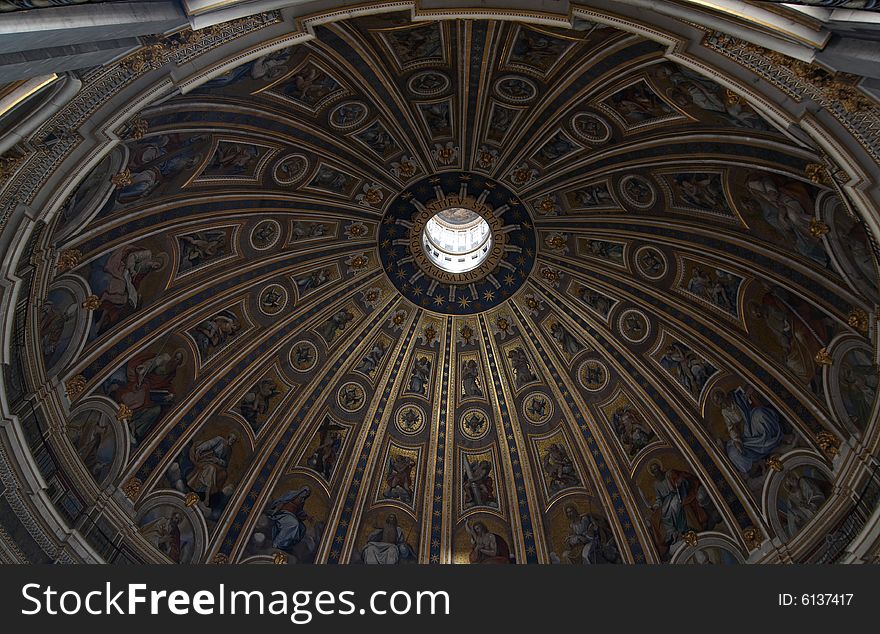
457 240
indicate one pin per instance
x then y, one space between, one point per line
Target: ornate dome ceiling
665 346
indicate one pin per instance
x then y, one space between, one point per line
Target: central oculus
458 240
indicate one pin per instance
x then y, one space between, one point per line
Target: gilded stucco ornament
124 413
752 537
68 259
823 357
74 387
92 302
858 319
132 488
829 443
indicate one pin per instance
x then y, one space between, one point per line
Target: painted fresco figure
803 500
781 207
417 43
755 431
478 484
631 429
470 375
638 104
234 158
387 544
211 460
52 324
522 367
269 66
164 534
421 376
718 288
145 385
323 458
370 362
587 542
202 246
486 547
707 95
858 386
336 323
90 446
214 332
689 370
798 329
257 402
559 468
288 517
566 340
680 504
303 230
331 179
596 300
537 49
313 280
310 85
398 478
593 195
119 283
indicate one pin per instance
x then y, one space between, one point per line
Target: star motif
488 295
464 302
509 279
438 299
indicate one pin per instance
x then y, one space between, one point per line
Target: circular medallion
651 262
429 83
638 191
303 356
290 169
351 397
474 424
348 115
590 127
481 223
593 375
515 89
537 408
633 325
265 235
273 299
410 419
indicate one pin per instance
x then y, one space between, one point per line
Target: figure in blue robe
288 516
755 431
